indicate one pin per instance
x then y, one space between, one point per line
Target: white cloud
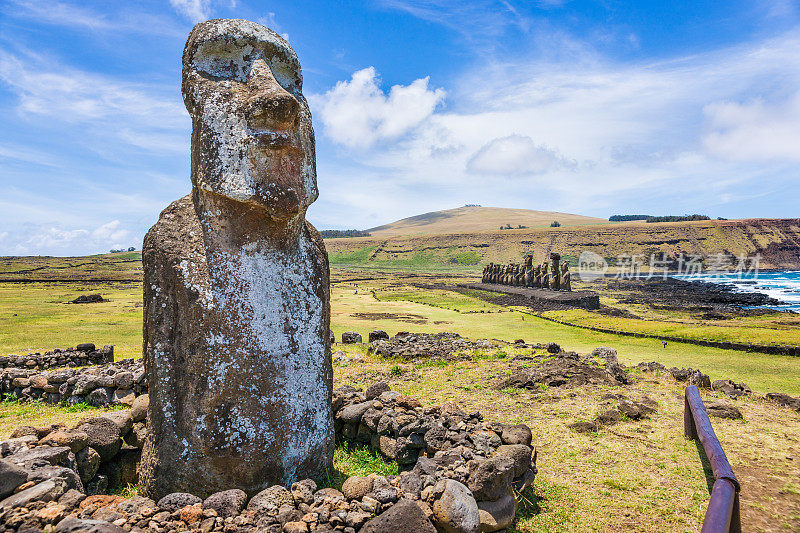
77 16
357 113
194 10
754 131
54 239
514 155
108 106
650 135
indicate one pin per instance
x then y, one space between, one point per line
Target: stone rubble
458 474
82 355
118 382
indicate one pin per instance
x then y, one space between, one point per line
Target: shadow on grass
351 459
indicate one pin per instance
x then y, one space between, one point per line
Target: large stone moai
555 276
545 276
236 294
566 277
528 270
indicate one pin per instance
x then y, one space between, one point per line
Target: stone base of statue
547 297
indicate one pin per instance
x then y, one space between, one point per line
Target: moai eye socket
224 59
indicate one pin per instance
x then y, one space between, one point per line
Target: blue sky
596 108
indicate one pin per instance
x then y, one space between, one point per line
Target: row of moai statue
556 277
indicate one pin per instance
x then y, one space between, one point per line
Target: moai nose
269 105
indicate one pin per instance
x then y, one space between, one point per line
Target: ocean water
783 285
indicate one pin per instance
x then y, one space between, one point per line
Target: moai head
528 260
252 139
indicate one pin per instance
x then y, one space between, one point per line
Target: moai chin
236 294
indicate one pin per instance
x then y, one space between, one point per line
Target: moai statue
236 282
528 271
510 277
545 276
485 273
555 276
566 277
537 276
497 274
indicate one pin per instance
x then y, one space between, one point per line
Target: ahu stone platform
583 299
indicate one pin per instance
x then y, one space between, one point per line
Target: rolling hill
473 219
431 246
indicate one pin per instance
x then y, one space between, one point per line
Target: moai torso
236 288
545 276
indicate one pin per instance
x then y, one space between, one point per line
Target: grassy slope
44 321
777 241
474 219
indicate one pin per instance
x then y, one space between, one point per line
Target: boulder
104 436
177 500
455 510
53 455
11 477
72 524
376 389
74 439
87 461
498 514
356 487
520 454
227 502
46 491
270 500
351 337
723 410
139 408
405 515
377 335
490 479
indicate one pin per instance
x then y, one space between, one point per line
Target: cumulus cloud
357 113
754 131
514 155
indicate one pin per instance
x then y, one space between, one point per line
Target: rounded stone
405 515
456 510
518 434
498 514
356 487
177 500
519 453
104 436
351 337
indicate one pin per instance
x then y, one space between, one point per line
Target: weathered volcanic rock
405 515
236 291
564 369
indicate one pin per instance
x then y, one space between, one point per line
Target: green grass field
634 476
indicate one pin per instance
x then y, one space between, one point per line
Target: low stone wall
458 475
44 463
118 382
84 354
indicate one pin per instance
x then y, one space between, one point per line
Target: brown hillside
471 219
777 240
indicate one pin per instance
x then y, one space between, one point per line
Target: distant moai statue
519 276
528 271
236 282
496 274
537 276
485 275
566 277
555 276
545 276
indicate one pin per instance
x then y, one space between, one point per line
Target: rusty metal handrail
722 514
